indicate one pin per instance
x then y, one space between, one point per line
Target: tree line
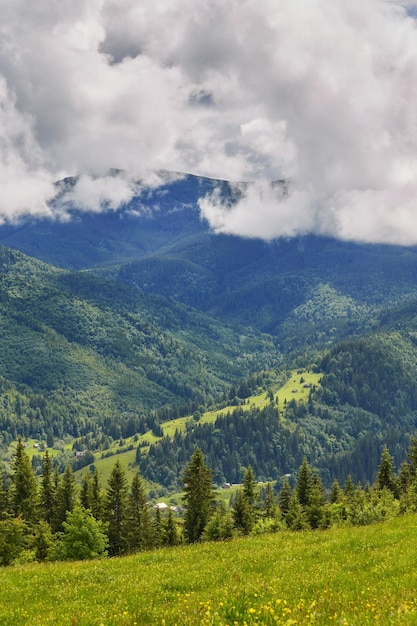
57 520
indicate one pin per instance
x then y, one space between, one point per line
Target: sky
320 94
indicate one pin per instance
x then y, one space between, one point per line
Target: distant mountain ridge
303 290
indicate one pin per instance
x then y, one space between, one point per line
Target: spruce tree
242 513
47 491
24 490
314 509
349 488
284 497
43 541
304 483
65 498
385 477
4 494
296 518
138 520
270 507
198 497
86 491
249 486
97 497
171 531
336 493
116 509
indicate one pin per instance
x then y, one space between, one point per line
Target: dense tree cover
367 396
56 519
85 356
125 524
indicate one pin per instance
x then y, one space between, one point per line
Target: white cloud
322 94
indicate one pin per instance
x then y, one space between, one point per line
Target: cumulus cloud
322 95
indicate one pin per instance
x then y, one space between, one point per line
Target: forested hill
367 398
77 351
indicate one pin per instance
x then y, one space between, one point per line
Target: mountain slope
306 290
94 349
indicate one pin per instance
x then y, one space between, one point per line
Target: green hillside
80 353
355 575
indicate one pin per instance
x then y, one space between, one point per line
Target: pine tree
158 529
405 477
116 509
270 507
97 497
171 531
249 486
314 509
304 483
198 496
296 518
385 477
336 493
242 514
47 491
24 490
349 488
86 491
138 527
284 497
43 541
220 525
4 494
65 498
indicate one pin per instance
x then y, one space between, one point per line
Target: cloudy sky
322 94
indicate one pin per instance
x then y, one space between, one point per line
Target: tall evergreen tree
284 497
24 490
349 488
43 541
97 497
86 491
249 486
171 530
296 518
385 477
314 509
336 493
47 490
65 498
270 507
4 494
116 509
138 526
242 513
304 483
198 496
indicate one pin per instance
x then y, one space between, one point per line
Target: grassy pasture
356 576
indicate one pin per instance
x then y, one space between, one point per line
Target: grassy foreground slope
346 576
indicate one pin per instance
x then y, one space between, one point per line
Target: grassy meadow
352 576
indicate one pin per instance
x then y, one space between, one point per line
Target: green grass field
353 576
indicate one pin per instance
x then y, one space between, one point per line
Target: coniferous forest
55 519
